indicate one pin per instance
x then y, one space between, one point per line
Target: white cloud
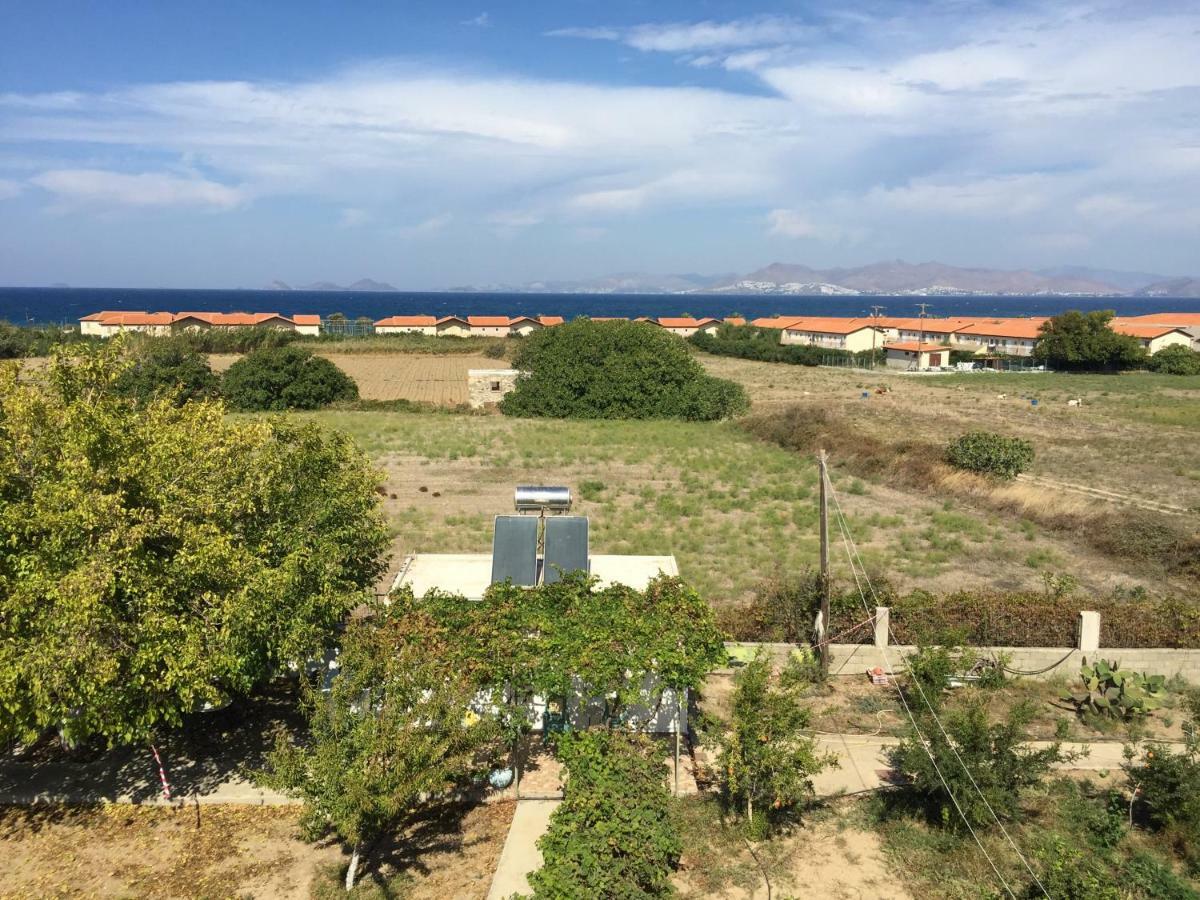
100 188
9 189
350 217
1104 208
1000 196
432 225
483 20
688 37
790 223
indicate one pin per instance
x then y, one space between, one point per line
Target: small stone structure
488 386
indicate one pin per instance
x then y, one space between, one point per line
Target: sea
64 306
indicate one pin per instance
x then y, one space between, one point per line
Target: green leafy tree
1085 341
766 758
1175 360
287 377
157 558
395 728
616 370
985 766
613 835
168 367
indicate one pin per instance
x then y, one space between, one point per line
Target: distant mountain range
363 284
886 278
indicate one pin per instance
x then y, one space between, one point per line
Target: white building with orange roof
452 326
685 326
488 326
853 335
1153 337
916 356
1011 337
1189 323
407 325
111 322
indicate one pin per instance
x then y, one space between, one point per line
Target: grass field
730 508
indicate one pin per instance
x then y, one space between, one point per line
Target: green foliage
1109 690
1026 619
287 377
545 640
766 759
785 606
995 756
930 669
990 454
167 367
155 558
1175 360
19 342
1069 872
395 728
239 340
616 370
763 344
1167 790
613 835
1084 341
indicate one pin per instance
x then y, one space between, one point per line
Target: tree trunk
516 767
352 869
750 809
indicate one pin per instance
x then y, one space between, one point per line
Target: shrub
1175 360
1000 764
613 835
766 759
18 342
616 370
785 606
1167 789
167 367
288 377
988 453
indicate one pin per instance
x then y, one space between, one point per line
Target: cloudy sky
437 144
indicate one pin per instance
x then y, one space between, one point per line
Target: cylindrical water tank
531 497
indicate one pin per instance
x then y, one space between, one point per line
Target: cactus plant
1109 690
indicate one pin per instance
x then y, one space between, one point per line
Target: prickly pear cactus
1109 690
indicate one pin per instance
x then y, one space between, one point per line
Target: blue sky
433 145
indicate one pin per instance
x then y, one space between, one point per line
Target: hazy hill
363 284
1172 287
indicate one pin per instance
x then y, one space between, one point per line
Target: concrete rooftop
470 574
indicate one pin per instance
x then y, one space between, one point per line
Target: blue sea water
67 305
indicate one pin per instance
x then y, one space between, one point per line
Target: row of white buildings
910 339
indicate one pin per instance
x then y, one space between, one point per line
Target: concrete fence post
1089 631
882 622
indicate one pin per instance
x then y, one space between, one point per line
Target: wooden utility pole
823 627
921 339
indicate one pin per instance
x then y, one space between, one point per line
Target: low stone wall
488 386
1035 662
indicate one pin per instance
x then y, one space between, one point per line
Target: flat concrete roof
470 574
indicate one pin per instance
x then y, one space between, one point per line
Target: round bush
161 366
990 454
288 377
616 370
1175 360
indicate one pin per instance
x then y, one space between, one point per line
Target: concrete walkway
520 856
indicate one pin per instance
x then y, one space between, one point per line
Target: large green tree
1085 341
616 370
155 558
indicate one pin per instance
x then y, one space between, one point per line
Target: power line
848 541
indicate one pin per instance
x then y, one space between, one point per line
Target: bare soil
128 851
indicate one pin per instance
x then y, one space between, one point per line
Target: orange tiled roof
405 321
137 318
913 347
681 322
1179 320
774 321
450 319
1005 328
551 320
1142 330
306 319
488 321
828 325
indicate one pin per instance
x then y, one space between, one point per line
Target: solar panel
514 550
566 546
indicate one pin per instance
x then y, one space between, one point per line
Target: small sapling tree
396 727
766 757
